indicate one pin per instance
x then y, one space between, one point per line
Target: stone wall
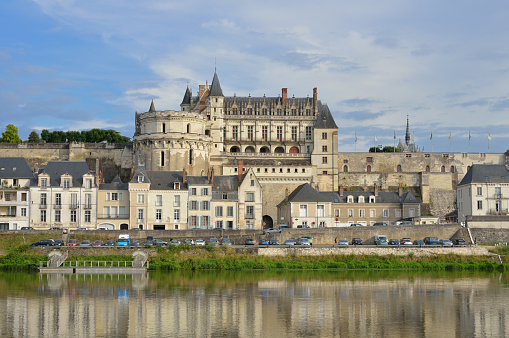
381 251
490 236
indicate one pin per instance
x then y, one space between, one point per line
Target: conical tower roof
407 135
215 88
152 107
187 96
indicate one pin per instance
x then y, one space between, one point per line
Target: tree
386 149
10 135
45 135
34 137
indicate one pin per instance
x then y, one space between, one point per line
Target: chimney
208 174
400 189
97 173
285 96
376 189
132 173
184 179
241 167
36 168
315 96
286 195
201 90
212 177
341 190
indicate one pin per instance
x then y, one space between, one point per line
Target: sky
78 65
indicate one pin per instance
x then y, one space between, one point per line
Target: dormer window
361 199
66 183
371 199
140 179
44 183
176 185
350 199
88 183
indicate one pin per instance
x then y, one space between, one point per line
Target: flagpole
356 141
431 138
469 141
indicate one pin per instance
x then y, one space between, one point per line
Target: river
256 304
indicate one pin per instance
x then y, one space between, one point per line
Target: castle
285 141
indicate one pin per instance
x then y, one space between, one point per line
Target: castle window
324 149
324 160
190 156
303 170
398 168
442 169
308 112
324 136
164 127
345 168
369 159
250 133
368 169
308 133
294 134
279 133
188 128
264 132
162 158
452 169
324 172
427 168
296 170
235 132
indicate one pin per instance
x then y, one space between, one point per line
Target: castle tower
215 111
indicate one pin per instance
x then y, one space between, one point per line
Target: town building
307 207
64 194
483 196
113 205
15 177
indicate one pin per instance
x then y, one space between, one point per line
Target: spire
407 135
152 108
187 96
215 88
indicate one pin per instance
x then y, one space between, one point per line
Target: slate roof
383 197
164 180
187 96
115 184
215 87
55 169
306 193
482 173
15 167
324 120
198 180
138 172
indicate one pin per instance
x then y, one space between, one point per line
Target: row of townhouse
307 207
66 194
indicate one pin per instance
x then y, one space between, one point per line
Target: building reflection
136 305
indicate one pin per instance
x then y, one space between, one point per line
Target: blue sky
74 65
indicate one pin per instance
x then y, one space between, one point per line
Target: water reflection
247 304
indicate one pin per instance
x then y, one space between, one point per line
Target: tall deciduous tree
34 137
10 135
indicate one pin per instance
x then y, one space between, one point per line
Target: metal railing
93 264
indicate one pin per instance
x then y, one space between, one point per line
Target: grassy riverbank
24 258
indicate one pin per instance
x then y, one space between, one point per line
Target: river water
256 304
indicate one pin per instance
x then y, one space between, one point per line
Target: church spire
152 107
407 135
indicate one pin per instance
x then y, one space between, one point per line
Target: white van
381 240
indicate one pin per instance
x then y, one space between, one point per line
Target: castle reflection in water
254 304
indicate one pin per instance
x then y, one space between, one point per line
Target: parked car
43 242
460 242
405 223
249 241
343 241
419 242
393 241
302 226
273 241
159 242
58 242
406 241
136 244
188 241
98 243
175 242
27 228
290 241
272 230
356 225
83 228
72 242
263 241
109 243
431 241
148 242
85 243
446 242
379 224
356 241
309 238
381 240
56 228
303 241
213 241
226 242
200 242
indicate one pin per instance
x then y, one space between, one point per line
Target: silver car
304 241
199 242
